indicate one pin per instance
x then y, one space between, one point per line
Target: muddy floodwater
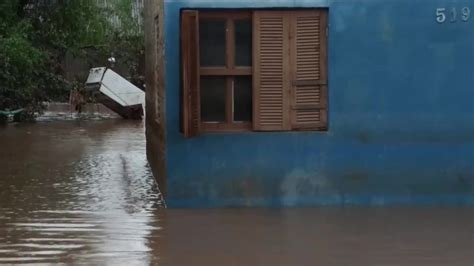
80 192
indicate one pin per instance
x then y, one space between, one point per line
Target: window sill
223 127
210 127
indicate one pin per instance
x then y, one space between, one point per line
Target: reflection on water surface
76 191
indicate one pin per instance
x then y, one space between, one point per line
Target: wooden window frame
230 71
192 71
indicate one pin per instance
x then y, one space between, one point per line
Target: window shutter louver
190 73
271 71
309 77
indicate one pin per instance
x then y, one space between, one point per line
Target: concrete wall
401 117
155 92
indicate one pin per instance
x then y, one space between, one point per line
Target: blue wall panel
401 117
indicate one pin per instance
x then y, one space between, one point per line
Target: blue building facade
400 116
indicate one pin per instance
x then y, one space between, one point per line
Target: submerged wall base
342 201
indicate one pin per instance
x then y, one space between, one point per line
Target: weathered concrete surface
155 94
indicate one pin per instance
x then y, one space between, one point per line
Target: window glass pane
213 99
212 42
243 99
243 43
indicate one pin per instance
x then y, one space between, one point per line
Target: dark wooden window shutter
271 71
309 67
190 73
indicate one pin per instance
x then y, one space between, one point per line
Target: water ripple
77 192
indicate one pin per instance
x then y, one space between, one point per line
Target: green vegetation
36 37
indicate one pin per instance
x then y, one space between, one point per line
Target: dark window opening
213 99
243 99
212 36
243 43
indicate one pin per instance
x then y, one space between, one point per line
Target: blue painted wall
401 117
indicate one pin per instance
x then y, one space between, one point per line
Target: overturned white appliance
115 92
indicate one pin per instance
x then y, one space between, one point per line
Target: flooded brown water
80 192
